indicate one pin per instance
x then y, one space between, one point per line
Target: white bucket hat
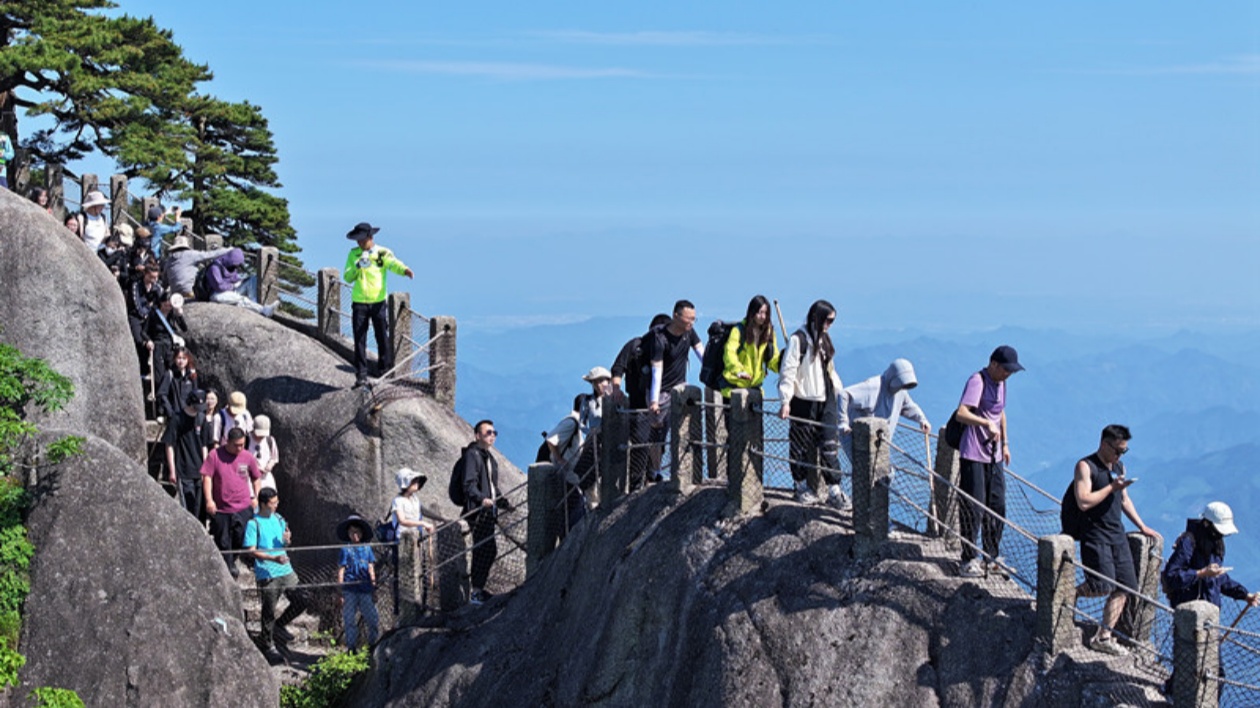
596 374
1221 516
405 476
94 198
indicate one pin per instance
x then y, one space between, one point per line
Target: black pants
228 532
815 444
376 314
985 482
485 548
190 496
271 589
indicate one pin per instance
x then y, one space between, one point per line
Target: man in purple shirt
983 450
227 476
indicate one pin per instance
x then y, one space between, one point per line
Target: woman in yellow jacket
750 349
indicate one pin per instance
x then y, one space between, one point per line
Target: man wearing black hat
983 450
367 267
188 439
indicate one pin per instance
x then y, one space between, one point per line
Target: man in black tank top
1099 491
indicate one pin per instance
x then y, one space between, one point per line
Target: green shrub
56 698
328 682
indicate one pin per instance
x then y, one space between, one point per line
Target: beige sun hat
95 198
597 373
262 426
237 404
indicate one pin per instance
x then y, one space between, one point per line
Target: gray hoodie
885 396
180 271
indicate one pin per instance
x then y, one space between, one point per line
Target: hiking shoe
805 495
268 310
477 597
997 568
273 656
282 634
360 381
972 569
836 498
1108 646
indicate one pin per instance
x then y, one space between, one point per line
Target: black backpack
714 361
1071 517
953 431
455 488
201 286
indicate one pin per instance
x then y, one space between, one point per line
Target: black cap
1007 357
361 230
196 399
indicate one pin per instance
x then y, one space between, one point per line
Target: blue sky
1077 165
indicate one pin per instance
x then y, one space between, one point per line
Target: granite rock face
130 603
339 447
58 302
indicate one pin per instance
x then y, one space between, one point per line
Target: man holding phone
266 537
367 268
1099 491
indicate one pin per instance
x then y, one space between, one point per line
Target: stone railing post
118 201
328 315
411 600
715 434
442 359
55 183
745 442
268 275
686 428
1138 619
872 470
1056 593
546 513
399 305
944 498
613 450
1196 654
87 183
209 242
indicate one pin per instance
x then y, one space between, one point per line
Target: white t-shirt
95 229
407 508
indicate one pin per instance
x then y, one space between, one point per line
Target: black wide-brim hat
362 230
343 528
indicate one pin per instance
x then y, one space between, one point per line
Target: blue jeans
356 605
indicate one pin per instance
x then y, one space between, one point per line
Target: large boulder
339 447
130 603
660 602
60 303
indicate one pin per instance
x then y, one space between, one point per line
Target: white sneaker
1108 646
997 567
836 497
973 568
268 310
804 494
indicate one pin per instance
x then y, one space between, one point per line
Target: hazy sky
920 165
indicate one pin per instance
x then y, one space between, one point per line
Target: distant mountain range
1191 400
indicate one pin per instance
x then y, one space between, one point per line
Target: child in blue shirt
356 573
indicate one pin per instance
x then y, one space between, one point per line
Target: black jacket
481 477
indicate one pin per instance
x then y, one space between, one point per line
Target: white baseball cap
1221 516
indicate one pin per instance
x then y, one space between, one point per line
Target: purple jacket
224 271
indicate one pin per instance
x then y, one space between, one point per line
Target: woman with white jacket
808 384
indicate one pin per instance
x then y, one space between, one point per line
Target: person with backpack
982 450
263 446
1098 491
223 277
406 512
356 574
180 267
571 446
633 366
367 268
481 501
187 442
808 385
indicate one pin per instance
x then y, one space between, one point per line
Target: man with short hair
983 450
633 365
188 440
481 505
266 536
367 269
668 354
227 476
1099 491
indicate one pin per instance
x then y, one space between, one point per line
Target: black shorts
1108 555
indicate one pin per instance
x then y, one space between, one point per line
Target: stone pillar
1056 593
328 313
55 183
117 199
1196 654
614 452
450 563
546 513
399 305
268 275
944 498
1138 619
87 183
686 429
211 241
872 472
442 359
715 435
410 576
745 467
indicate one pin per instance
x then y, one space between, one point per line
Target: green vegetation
56 698
328 681
25 382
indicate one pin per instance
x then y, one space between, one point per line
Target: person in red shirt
227 477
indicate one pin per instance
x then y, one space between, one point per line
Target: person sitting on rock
187 442
227 476
180 267
263 445
356 574
224 276
266 536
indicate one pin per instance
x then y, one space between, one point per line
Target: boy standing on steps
367 268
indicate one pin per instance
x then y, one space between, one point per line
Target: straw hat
237 403
95 198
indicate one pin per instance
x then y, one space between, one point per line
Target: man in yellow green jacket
367 268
